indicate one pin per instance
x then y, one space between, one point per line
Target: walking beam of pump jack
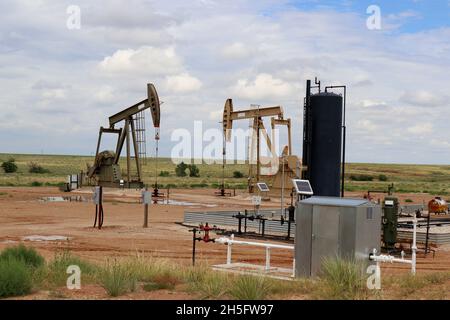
322 222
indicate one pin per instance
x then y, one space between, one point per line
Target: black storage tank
326 144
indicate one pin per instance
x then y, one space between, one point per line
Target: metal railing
268 246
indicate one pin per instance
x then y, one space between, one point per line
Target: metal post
245 222
414 247
267 258
194 233
146 216
229 253
293 267
282 184
428 232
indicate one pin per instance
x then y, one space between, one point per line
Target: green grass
117 279
55 273
15 278
433 179
29 256
249 287
342 279
212 285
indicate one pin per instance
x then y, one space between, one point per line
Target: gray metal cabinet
331 227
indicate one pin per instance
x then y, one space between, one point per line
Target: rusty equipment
206 237
106 170
288 166
437 205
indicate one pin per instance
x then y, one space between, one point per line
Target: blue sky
59 85
430 14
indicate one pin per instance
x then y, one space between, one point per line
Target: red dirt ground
23 214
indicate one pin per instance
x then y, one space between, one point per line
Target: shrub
213 286
117 279
408 200
9 166
29 256
164 174
382 177
248 287
36 184
343 279
180 169
15 278
361 177
237 174
193 171
34 167
57 268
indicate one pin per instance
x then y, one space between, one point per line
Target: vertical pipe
344 129
229 253
306 137
194 233
258 164
245 222
282 184
414 247
267 258
293 266
428 232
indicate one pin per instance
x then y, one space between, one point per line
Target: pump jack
290 163
106 170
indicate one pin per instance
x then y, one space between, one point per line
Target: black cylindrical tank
326 144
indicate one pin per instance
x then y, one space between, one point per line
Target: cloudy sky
59 84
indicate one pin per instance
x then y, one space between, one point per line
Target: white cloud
237 50
423 98
372 104
216 115
263 87
366 125
183 83
421 129
105 95
145 60
53 94
84 76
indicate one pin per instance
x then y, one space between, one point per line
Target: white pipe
414 246
225 240
293 268
392 259
389 258
267 258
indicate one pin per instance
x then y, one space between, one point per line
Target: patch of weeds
15 278
342 279
117 279
249 287
29 256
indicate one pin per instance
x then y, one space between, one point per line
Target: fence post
267 258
